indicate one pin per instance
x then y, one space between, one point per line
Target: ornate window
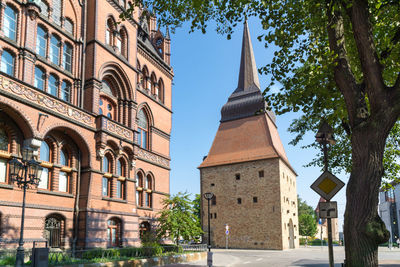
120 189
145 78
144 228
147 188
41 41
106 105
67 57
143 126
64 177
56 15
54 231
139 74
40 77
153 84
45 155
69 26
123 37
161 90
53 85
7 63
44 8
66 91
139 191
106 182
114 232
4 146
55 45
110 32
10 23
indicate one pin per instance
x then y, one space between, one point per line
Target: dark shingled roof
247 100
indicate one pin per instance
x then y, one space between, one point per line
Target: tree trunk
363 228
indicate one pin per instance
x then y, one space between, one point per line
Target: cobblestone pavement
310 256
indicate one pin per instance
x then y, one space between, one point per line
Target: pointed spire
247 100
248 75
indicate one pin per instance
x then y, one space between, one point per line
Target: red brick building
93 98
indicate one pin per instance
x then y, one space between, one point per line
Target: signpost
327 185
226 235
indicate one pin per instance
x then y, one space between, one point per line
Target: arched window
39 78
44 8
148 187
144 228
10 23
153 84
143 126
56 15
139 74
41 41
69 26
45 155
107 163
53 85
67 57
4 146
120 167
145 77
66 91
114 232
7 63
124 42
64 177
54 231
139 189
120 184
55 45
161 91
110 32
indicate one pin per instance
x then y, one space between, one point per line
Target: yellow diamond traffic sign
327 185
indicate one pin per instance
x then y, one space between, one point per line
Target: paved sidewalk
304 256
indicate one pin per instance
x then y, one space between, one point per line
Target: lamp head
208 195
325 134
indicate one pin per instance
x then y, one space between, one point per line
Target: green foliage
307 219
197 206
153 249
177 219
307 225
10 260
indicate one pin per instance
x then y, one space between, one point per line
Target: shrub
152 249
92 254
10 260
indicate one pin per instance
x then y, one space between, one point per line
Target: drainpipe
76 208
83 56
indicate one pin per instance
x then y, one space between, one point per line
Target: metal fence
58 257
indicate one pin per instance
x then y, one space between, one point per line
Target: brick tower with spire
248 171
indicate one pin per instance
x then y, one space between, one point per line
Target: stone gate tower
248 171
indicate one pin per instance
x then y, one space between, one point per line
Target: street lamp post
25 172
209 196
325 137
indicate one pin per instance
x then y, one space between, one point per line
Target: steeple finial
167 36
248 74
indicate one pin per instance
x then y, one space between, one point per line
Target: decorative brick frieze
151 157
48 102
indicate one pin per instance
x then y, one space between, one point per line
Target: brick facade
85 90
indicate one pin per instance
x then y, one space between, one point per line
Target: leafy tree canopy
304 208
177 219
307 219
304 63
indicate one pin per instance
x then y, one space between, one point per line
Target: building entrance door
52 230
291 234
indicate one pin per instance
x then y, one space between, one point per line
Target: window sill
6 186
60 194
114 199
144 208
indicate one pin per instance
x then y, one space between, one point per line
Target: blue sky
206 68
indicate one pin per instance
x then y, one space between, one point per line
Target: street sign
227 232
327 185
328 210
226 227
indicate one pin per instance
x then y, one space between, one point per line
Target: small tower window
237 175
239 200
255 200
214 200
261 174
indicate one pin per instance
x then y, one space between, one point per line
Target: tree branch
370 65
344 77
396 38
